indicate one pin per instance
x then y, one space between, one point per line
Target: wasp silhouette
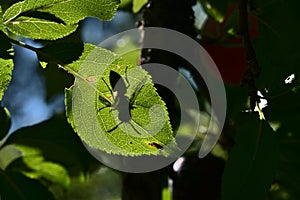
120 102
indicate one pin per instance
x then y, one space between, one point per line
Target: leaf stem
58 63
253 69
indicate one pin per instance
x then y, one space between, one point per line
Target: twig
58 63
253 69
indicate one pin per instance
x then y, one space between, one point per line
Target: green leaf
5 122
5 46
52 144
14 185
6 68
94 114
41 169
251 166
8 154
137 5
18 18
40 28
70 11
87 49
214 8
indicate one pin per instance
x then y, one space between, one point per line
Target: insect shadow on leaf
121 102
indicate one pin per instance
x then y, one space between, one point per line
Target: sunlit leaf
40 28
138 5
54 19
95 114
70 11
6 67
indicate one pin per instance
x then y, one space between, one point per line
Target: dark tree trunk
177 15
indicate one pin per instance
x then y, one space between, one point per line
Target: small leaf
138 5
43 64
94 113
251 166
15 185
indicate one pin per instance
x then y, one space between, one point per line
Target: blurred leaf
8 154
41 169
231 25
55 141
105 184
138 5
5 122
166 194
251 166
15 186
214 8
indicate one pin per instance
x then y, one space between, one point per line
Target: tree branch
253 69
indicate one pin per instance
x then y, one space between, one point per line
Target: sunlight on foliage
92 98
54 19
